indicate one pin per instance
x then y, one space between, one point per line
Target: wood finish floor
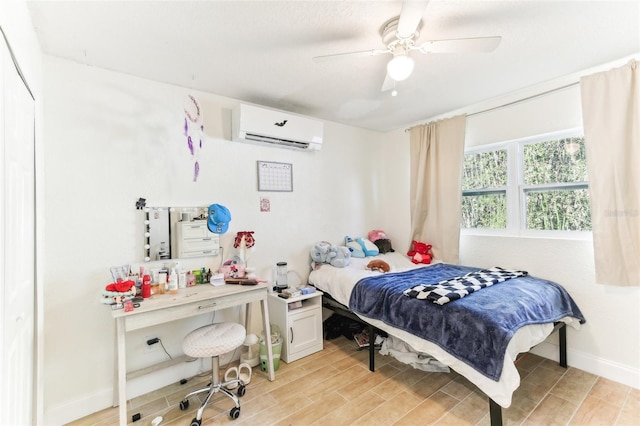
334 387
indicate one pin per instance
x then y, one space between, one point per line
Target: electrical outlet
150 348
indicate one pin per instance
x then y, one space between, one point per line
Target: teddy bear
341 256
325 252
378 265
320 252
420 252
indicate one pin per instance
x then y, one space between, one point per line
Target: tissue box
217 279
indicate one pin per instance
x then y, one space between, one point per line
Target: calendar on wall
275 177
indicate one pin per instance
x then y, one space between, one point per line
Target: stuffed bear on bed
325 252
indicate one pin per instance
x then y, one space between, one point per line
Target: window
537 184
484 190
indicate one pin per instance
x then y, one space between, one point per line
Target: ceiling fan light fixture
400 67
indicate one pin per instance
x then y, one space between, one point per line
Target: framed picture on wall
275 177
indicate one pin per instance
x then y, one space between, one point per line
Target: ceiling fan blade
410 16
461 45
388 84
373 52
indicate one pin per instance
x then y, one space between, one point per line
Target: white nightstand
301 327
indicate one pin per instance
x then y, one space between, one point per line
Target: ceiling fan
400 35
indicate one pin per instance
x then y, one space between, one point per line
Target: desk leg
122 372
267 330
247 316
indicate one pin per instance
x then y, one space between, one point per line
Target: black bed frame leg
495 412
372 349
562 335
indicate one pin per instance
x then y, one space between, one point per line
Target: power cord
164 349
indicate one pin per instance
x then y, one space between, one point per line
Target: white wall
609 343
112 138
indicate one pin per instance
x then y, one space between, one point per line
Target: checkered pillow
456 288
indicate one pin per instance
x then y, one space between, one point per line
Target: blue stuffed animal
341 258
368 247
361 247
354 247
324 252
321 252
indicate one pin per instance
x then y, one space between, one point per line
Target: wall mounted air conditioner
276 128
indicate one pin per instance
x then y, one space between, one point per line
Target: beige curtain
611 119
437 150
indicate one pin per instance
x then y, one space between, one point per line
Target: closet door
17 252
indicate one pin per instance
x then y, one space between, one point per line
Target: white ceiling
261 51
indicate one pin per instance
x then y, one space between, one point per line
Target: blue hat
219 218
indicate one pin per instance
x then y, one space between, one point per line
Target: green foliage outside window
487 211
484 179
555 161
566 210
552 181
485 170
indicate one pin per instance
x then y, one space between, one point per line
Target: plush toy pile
420 252
325 252
340 256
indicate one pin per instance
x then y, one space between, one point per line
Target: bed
479 336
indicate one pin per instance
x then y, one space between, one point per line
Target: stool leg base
214 387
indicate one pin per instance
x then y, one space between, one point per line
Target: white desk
191 301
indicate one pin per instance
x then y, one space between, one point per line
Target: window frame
516 189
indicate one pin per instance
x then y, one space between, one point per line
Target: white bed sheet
339 283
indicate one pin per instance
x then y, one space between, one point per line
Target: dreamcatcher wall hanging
193 131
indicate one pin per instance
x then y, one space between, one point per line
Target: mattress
339 283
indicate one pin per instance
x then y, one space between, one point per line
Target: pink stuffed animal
420 252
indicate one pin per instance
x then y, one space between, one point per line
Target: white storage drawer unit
195 240
301 327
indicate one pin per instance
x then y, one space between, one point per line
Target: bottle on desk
182 279
162 282
191 279
173 282
146 286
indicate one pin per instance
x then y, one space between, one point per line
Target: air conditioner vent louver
276 128
277 141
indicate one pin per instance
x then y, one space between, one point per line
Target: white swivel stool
212 341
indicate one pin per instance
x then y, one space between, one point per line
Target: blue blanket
475 329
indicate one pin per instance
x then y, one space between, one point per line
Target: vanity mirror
177 232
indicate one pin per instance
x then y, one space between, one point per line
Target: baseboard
101 399
601 367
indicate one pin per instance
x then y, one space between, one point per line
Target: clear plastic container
276 347
251 350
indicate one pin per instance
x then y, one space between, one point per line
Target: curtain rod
520 100
525 99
